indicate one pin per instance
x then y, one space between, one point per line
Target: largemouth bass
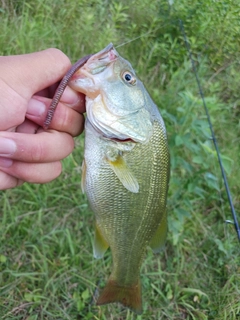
125 170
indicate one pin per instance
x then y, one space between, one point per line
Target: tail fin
130 297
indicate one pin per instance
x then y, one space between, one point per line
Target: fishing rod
234 215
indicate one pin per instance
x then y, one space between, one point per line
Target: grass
47 270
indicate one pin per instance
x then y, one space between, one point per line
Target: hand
27 152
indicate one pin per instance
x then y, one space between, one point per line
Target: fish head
117 102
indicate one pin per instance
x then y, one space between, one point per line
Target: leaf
194 291
212 181
85 294
178 140
220 245
3 259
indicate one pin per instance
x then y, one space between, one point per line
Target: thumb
30 73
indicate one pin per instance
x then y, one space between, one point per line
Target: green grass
47 270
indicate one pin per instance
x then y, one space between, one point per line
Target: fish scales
125 170
120 213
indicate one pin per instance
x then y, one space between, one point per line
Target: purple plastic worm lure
64 82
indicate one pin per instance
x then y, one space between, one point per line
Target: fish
125 170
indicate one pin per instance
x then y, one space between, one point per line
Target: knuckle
38 153
52 146
57 56
65 120
71 122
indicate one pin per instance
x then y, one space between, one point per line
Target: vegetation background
47 270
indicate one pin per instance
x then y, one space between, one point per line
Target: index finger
30 73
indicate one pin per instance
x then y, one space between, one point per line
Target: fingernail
7 147
5 163
35 107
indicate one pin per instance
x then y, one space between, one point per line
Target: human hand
27 152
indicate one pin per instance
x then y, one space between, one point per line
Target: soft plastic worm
64 82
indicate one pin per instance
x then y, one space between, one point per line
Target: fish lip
101 55
99 61
105 50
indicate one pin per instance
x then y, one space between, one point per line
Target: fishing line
211 129
146 34
142 35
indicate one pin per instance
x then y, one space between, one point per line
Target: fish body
125 170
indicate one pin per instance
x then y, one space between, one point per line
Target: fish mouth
97 63
88 78
102 59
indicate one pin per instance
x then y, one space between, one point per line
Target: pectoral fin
159 237
100 245
124 174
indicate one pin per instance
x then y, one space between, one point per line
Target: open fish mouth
99 61
95 65
109 57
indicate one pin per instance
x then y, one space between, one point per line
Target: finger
31 172
45 146
49 91
28 127
74 99
7 181
65 119
41 70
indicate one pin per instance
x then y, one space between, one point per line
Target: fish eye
129 78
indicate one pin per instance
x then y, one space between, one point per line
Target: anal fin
100 245
160 235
